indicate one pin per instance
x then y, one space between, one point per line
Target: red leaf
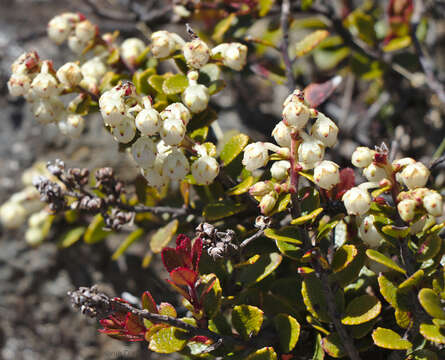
183 276
180 290
148 302
133 325
196 253
316 94
171 259
181 238
347 181
201 339
184 253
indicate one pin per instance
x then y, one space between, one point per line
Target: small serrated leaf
288 330
222 27
388 339
247 320
361 309
388 290
263 267
222 209
233 148
429 248
306 218
242 187
156 82
310 42
413 281
396 231
167 309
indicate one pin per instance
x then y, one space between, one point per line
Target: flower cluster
301 150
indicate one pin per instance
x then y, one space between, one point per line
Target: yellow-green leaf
310 42
423 354
433 333
313 298
395 231
333 346
222 27
429 248
263 267
288 234
388 290
156 82
343 257
266 353
129 240
403 318
265 6
167 309
216 86
288 330
388 339
306 218
247 320
384 260
430 301
175 84
398 43
168 340
233 148
412 281
71 237
163 236
361 309
242 187
222 209
212 299
140 80
95 231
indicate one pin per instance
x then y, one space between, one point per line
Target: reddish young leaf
184 252
196 253
183 276
316 94
184 294
347 181
148 302
170 259
133 325
201 339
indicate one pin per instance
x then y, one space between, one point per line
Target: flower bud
255 156
325 130
310 150
76 45
296 115
369 233
26 63
19 84
72 126
362 157
112 107
85 31
173 131
48 110
125 131
326 174
280 169
131 49
233 55
267 203
282 134
205 170
94 68
176 165
148 122
400 163
59 28
176 111
297 96
164 43
415 175
144 152
196 53
12 215
196 98
356 201
69 75
261 188
154 177
407 209
374 173
433 203
34 236
44 84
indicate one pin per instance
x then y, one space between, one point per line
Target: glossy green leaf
289 250
433 333
233 148
361 309
140 80
262 268
168 340
200 134
429 248
361 330
318 351
288 330
343 257
313 297
288 234
431 303
163 236
129 240
351 272
266 353
333 346
242 187
397 43
384 260
71 237
222 27
167 309
211 298
95 231
403 318
310 42
175 84
156 82
388 290
388 339
395 231
247 320
306 218
413 281
222 209
364 24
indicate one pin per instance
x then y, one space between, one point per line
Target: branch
285 14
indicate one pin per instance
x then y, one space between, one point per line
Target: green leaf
423 354
388 339
289 250
266 353
318 351
430 302
140 80
262 268
351 272
412 281
384 260
403 318
156 82
129 240
95 231
333 346
343 257
167 309
247 320
222 27
365 26
306 218
265 6
200 134
288 330
208 73
361 330
181 63
175 84
397 43
361 309
211 299
310 42
306 4
71 237
287 234
433 333
242 187
395 231
429 248
388 290
222 209
168 340
163 236
313 297
216 86
233 148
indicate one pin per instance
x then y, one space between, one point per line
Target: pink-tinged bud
407 209
433 203
415 175
280 169
19 84
76 45
326 174
261 188
356 201
369 233
362 157
86 31
59 28
296 115
131 49
44 84
374 173
398 164
94 69
196 53
205 170
297 96
267 203
282 134
144 152
176 111
69 75
255 156
325 130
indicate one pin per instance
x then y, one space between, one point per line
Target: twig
154 209
255 236
285 14
427 66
